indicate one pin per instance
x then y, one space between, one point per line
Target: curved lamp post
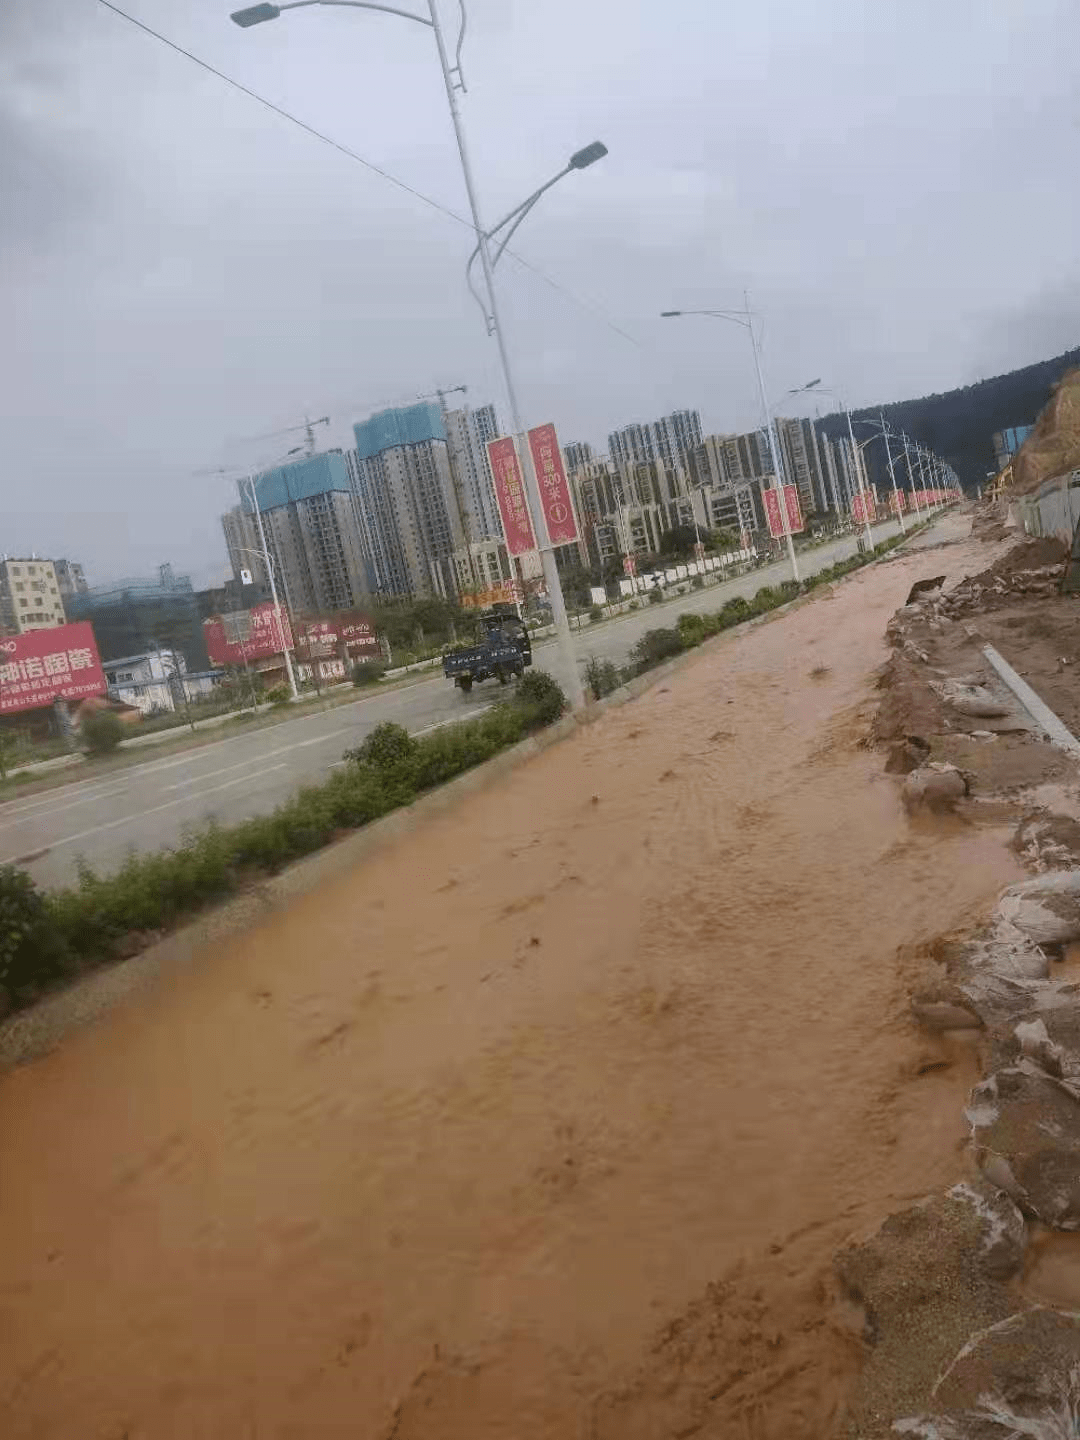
453 79
856 457
745 318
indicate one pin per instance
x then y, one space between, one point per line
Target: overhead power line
359 159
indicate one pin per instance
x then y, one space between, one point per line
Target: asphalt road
150 805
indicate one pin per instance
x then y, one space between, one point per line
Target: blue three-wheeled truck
502 649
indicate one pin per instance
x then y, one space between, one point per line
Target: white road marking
55 800
138 815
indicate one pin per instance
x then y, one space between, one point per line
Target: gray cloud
184 271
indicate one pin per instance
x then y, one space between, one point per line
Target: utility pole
269 562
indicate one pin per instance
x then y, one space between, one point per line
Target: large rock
973 700
1048 1036
930 1276
1046 909
937 786
1016 1380
1025 1126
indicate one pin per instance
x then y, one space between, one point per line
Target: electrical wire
392 179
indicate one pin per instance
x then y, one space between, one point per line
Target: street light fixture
746 319
883 431
268 560
580 160
453 80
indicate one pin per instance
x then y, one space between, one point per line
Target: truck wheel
466 684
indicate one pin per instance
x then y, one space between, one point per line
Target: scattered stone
974 700
1046 909
924 587
1048 841
942 1014
937 786
930 1276
1017 1378
906 755
1025 1126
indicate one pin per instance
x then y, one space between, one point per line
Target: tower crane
308 428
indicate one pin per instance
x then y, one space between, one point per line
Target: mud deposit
546 1122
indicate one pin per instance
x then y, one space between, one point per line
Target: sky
185 275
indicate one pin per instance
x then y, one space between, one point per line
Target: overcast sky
181 272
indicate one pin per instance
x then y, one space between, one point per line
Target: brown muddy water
544 1122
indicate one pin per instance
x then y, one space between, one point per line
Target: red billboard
323 636
510 494
43 665
247 635
552 483
771 497
897 501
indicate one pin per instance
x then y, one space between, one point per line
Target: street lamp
453 80
746 319
856 457
580 160
882 429
268 561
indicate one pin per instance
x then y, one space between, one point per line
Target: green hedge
656 646
44 937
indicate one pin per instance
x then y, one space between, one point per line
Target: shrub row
44 937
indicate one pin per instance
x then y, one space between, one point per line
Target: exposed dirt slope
1053 447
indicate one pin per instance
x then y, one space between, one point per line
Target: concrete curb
38 1030
1054 729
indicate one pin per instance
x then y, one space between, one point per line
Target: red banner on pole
554 488
629 565
45 665
510 495
771 498
863 508
248 635
897 501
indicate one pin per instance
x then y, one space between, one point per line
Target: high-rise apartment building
467 434
406 492
668 440
423 487
313 532
70 579
577 455
30 596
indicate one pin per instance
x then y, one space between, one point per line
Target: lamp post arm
360 5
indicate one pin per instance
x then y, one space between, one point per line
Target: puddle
1051 1274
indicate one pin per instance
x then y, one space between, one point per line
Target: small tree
102 730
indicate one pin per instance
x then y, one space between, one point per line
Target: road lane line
6 824
128 819
211 774
53 797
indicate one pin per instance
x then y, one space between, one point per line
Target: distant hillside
959 425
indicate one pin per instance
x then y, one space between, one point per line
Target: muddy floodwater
543 1122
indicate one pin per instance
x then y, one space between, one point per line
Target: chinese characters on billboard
508 593
45 665
257 639
771 497
552 484
510 495
324 637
